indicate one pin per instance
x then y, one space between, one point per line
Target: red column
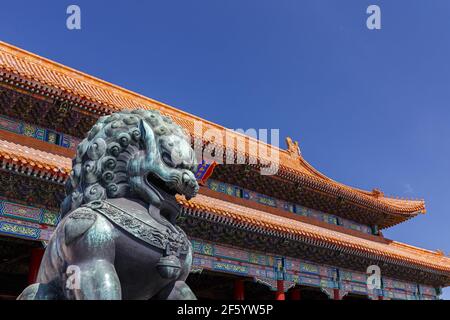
336 294
380 297
35 263
239 289
279 294
295 294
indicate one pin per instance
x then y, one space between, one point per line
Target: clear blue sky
369 108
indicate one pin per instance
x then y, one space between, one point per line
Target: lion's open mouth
183 183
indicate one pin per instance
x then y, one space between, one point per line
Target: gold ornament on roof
377 193
292 147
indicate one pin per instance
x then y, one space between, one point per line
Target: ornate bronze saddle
173 241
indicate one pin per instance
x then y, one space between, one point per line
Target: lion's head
138 153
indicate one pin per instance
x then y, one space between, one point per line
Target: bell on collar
169 267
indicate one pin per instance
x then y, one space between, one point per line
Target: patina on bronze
117 238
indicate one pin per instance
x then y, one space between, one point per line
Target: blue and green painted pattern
19 230
38 133
236 191
27 222
238 261
28 213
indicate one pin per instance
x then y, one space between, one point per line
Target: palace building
296 234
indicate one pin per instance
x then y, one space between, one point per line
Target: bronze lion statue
118 237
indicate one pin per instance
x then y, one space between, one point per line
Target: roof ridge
415 248
78 73
110 97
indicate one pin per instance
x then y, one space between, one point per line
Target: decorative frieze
428 292
238 192
268 269
23 212
44 110
46 135
395 289
231 260
310 274
31 191
25 230
356 282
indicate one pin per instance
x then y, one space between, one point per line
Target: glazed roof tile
31 161
388 249
62 79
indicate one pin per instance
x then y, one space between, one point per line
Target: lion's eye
167 159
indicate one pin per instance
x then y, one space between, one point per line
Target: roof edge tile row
113 98
27 160
391 250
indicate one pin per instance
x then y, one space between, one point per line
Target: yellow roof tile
389 249
114 98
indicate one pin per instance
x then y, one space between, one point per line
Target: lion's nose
190 184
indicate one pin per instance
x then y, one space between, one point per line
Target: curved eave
402 209
28 161
43 76
32 162
256 220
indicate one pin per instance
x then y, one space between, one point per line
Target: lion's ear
147 135
142 129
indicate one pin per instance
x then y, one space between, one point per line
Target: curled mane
101 167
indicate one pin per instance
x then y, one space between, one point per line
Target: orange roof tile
41 163
109 98
391 250
34 161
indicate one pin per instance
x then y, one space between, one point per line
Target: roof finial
377 193
292 147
